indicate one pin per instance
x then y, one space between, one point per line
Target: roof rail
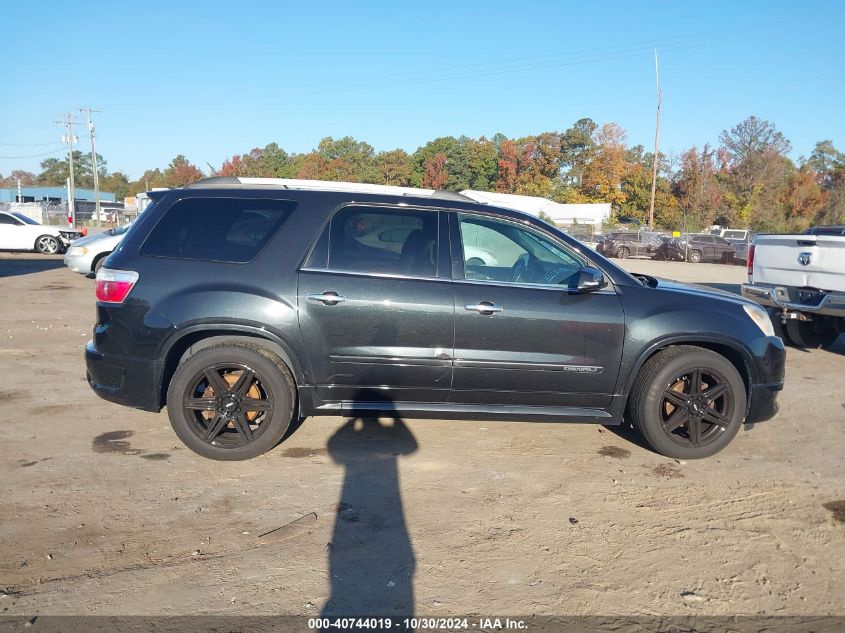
325 185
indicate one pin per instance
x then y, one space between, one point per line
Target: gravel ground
104 512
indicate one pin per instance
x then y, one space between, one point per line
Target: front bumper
132 382
764 403
830 303
78 263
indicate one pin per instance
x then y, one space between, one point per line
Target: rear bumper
131 382
831 303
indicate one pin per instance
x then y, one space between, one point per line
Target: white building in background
562 214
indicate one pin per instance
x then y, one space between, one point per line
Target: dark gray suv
246 304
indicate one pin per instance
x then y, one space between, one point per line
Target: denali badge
804 258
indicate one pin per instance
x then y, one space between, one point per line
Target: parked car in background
801 280
590 239
242 332
21 233
624 244
698 247
87 254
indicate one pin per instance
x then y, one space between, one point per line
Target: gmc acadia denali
243 304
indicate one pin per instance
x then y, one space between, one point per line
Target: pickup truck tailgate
801 261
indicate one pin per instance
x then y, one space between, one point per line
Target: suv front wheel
231 401
688 402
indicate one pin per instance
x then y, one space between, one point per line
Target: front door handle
484 307
327 298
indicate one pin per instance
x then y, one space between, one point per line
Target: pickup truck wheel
695 256
820 332
231 401
688 402
623 253
47 245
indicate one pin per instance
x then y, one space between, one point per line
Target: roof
534 205
326 185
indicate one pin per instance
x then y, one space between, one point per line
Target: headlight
760 317
77 251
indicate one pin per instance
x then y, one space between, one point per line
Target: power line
29 144
55 151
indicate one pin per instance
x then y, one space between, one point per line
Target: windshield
23 218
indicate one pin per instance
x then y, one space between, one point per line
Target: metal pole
94 162
656 146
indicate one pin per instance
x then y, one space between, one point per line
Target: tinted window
216 229
495 250
734 235
25 219
7 219
722 241
386 241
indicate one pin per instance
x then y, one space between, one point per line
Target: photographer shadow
371 559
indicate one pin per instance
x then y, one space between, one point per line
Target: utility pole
70 139
656 144
90 111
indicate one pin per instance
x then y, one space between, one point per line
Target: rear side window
379 240
217 229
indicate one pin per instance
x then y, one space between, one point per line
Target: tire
623 253
272 384
100 262
47 245
694 257
820 332
716 421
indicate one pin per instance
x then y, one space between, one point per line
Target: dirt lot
104 512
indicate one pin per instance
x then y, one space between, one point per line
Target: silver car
86 255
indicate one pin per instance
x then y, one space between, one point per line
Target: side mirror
590 279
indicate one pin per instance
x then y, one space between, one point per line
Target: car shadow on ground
26 265
371 558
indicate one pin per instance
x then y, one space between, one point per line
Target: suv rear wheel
231 401
688 402
695 256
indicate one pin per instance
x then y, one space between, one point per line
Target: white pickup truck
801 280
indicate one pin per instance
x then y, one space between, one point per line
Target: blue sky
170 77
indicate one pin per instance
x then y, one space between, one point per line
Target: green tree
394 168
181 172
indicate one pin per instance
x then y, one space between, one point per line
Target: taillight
113 286
750 262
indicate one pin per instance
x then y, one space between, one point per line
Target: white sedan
20 233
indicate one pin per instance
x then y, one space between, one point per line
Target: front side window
382 241
496 250
7 219
217 229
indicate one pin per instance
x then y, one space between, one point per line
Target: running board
448 411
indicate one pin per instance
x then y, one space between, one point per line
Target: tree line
746 181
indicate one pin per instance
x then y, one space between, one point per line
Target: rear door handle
327 298
484 307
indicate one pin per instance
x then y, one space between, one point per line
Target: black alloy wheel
687 402
231 401
227 404
696 407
